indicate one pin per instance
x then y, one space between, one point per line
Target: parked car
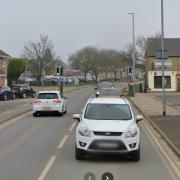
6 93
24 90
107 125
49 101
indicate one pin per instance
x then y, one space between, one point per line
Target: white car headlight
132 132
84 131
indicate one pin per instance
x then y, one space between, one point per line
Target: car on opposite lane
108 92
107 125
105 84
49 101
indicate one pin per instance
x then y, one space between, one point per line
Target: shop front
155 80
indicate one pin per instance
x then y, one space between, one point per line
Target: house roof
2 53
172 45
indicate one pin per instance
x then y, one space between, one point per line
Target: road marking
72 126
161 151
151 134
47 168
61 144
14 120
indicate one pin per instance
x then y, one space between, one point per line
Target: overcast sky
73 24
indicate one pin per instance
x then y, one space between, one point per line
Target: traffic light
57 70
130 70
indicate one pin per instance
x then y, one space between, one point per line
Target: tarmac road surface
43 148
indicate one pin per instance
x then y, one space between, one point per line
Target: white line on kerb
61 144
47 168
72 126
161 151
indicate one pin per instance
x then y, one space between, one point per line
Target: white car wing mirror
139 118
77 116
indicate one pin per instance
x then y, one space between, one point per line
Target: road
43 148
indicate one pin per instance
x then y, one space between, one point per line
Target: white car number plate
107 145
46 108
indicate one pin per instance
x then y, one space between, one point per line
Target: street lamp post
133 55
162 53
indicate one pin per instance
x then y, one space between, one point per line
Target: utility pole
134 53
162 53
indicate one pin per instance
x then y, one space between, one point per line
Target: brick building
153 64
3 68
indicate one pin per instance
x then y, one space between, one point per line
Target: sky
74 24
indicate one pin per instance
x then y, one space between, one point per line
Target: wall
151 80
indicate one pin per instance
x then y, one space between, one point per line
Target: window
108 112
47 96
158 82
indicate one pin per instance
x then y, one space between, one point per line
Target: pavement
168 126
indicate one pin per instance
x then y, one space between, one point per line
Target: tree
16 67
81 60
141 44
115 61
96 61
40 56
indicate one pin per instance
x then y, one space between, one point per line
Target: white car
49 101
107 125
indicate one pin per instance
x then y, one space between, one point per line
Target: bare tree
81 60
141 44
96 61
40 56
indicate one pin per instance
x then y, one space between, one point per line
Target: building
153 64
3 68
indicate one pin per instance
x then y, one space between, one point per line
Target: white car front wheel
135 155
79 154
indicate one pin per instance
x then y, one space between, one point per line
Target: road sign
159 63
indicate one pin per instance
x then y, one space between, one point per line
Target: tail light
97 93
37 101
57 101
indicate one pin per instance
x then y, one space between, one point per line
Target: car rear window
108 112
48 96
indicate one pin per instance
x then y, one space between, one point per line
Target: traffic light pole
61 84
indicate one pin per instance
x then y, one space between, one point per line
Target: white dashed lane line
61 144
53 158
72 126
47 168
